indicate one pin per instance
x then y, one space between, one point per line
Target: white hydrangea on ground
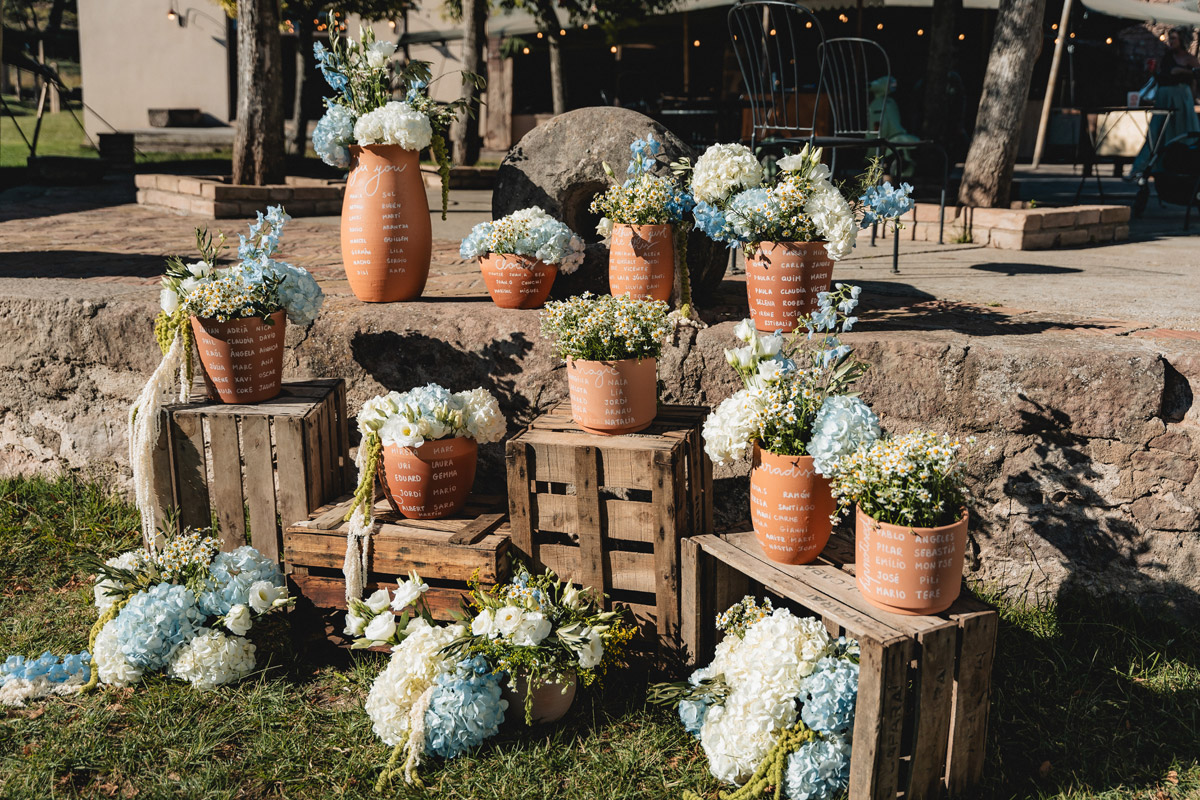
115 669
395 123
415 664
213 659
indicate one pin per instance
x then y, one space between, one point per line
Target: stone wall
1087 441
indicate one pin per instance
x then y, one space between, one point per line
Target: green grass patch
60 134
1090 700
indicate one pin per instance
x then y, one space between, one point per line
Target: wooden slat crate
608 512
924 681
446 553
255 469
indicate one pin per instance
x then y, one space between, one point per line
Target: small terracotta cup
242 359
790 504
517 281
782 283
909 570
431 481
641 261
613 397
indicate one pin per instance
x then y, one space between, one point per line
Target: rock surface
559 166
1084 472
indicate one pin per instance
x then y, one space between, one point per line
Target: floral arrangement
185 610
542 631
917 479
409 419
797 397
775 708
363 111
528 232
605 328
643 198
739 202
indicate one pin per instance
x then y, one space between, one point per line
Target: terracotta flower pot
909 570
517 281
782 282
387 236
790 504
641 261
431 481
612 397
242 359
550 702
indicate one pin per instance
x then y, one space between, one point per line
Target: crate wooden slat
254 469
607 512
446 553
924 681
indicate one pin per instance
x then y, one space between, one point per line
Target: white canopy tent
1185 13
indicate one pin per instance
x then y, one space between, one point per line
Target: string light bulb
920 31
962 36
562 31
1108 40
585 26
392 24
879 27
696 43
539 34
772 31
808 24
171 15
612 49
525 50
1054 26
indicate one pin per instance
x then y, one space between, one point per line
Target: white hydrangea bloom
832 215
730 430
724 169
213 659
110 661
395 123
101 589
414 665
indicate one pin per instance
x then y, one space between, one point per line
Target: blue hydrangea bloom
232 574
48 666
818 770
299 293
712 222
829 695
464 709
475 244
327 63
884 203
333 136
842 424
155 622
692 714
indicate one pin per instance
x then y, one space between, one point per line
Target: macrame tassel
144 429
416 736
362 527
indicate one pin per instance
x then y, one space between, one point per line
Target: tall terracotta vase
551 701
613 397
387 236
790 504
431 481
242 359
782 282
517 281
641 261
909 570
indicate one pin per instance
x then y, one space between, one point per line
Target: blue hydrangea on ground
885 202
818 770
155 622
47 665
232 574
333 136
464 709
829 696
842 424
692 714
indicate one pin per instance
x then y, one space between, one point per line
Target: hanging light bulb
392 24
612 49
920 31
562 32
962 36
808 24
879 27
1108 40
696 43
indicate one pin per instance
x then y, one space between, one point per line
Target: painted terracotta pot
909 570
431 481
613 397
550 702
641 261
517 281
242 359
387 236
790 504
782 282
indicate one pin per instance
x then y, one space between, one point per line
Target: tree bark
549 21
258 143
942 31
987 175
304 30
464 134
54 21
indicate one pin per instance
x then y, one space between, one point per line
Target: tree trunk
258 143
942 32
987 175
304 31
549 21
54 21
464 134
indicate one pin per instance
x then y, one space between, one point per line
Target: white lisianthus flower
745 331
483 625
395 123
604 227
264 595
378 601
199 269
592 652
101 589
379 53
770 370
238 620
771 344
382 628
409 592
533 629
508 618
168 300
401 432
355 625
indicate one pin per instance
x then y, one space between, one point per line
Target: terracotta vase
387 236
909 570
517 281
550 702
242 359
613 397
782 282
790 504
431 481
641 261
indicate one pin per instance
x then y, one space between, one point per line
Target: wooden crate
254 469
446 553
608 512
924 683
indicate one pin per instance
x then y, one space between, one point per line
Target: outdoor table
1107 120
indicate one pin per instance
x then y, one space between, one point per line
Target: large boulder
559 166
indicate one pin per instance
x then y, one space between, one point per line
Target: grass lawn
60 134
1090 700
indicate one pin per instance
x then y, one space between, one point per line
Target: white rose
483 625
381 628
168 300
409 592
378 601
238 620
354 624
532 630
593 652
263 595
507 620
